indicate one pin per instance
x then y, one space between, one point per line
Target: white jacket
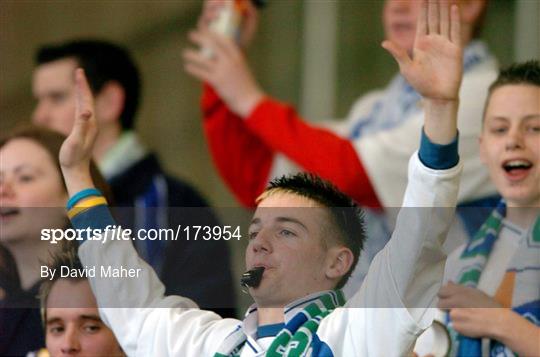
382 319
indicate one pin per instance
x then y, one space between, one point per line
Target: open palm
435 69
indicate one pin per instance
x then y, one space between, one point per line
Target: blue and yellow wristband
84 200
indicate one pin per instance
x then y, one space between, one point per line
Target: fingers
84 99
438 17
210 11
455 22
459 314
218 45
400 55
198 65
447 296
84 126
447 290
84 130
421 26
445 19
446 303
433 17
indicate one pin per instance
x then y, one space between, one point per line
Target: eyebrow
526 117
23 167
96 318
91 317
53 92
291 220
256 221
53 320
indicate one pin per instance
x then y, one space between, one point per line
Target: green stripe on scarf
290 341
474 259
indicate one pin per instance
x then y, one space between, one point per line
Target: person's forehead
289 207
69 314
71 294
54 74
513 101
23 151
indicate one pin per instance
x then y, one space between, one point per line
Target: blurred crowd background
320 55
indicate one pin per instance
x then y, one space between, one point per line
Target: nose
261 243
40 114
6 189
70 342
514 139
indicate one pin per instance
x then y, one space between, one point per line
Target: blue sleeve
436 156
98 217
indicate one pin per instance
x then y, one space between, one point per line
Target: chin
402 40
522 199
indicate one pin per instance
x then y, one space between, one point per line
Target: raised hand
76 151
225 70
435 69
250 19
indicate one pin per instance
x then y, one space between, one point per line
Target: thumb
400 55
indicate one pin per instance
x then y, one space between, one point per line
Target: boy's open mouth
517 169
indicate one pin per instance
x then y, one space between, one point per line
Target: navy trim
252 347
95 218
436 156
269 330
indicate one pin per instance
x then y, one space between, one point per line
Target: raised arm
76 152
132 306
413 260
435 69
245 128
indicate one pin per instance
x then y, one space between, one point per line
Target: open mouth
402 27
517 169
7 212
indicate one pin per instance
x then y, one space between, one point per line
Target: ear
339 262
109 102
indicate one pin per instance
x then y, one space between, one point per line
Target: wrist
244 106
77 179
499 328
441 120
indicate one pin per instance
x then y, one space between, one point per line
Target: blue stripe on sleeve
436 156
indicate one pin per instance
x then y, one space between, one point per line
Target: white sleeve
144 321
405 276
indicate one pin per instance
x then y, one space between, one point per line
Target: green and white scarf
473 260
296 336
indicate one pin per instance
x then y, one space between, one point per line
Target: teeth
517 164
514 163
